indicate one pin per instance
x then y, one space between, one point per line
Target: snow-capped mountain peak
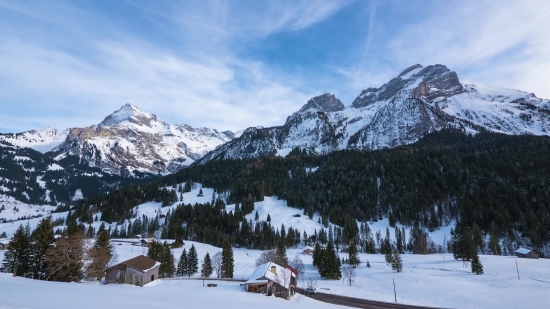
418 101
130 114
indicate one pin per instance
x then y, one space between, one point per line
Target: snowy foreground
14 293
430 280
426 280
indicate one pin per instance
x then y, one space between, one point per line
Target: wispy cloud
196 79
498 43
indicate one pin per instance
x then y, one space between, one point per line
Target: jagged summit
129 113
417 101
325 103
432 81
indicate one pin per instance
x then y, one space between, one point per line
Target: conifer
192 262
206 269
477 268
227 260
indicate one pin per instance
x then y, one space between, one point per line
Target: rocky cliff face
419 100
130 140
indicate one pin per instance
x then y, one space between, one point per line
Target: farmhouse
271 279
526 253
137 271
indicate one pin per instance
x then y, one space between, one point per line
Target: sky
230 65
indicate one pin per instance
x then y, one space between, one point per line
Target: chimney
274 269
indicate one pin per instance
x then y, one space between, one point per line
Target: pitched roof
264 271
523 251
141 262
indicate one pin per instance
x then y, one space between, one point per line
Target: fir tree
330 263
317 253
181 270
281 254
268 218
353 257
101 253
167 265
396 262
4 235
477 268
206 269
368 264
192 262
42 239
256 217
227 260
17 258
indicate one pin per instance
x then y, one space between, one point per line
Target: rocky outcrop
324 103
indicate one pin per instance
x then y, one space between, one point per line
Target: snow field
157 294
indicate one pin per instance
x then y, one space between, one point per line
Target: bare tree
298 264
267 256
65 259
283 278
348 275
311 284
217 264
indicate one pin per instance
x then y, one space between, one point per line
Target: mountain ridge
419 100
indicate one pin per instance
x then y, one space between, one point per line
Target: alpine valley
423 150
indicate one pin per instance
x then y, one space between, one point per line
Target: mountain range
126 141
419 100
132 143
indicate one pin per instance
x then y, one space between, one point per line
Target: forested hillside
37 178
498 182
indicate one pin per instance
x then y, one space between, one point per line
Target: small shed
271 279
4 243
308 250
137 271
526 253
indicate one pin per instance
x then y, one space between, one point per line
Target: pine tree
227 260
4 235
167 265
268 218
17 258
206 269
281 254
388 257
396 262
317 253
181 270
192 262
477 268
256 217
353 257
368 264
330 263
42 238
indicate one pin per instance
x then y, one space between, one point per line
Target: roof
523 251
293 270
4 241
140 262
263 272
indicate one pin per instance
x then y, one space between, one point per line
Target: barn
526 253
271 279
137 271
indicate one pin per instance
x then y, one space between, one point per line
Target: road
357 302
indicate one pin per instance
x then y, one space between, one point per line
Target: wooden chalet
271 279
526 253
308 250
137 271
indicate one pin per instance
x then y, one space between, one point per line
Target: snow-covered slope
418 101
43 140
129 139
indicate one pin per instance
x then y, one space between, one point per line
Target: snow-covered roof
523 251
4 241
264 271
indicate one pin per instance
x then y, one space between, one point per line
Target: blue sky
234 64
